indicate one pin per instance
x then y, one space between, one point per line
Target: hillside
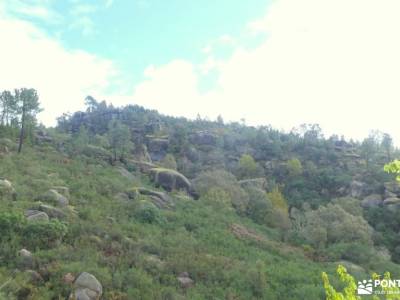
127 203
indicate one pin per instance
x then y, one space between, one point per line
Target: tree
387 144
119 139
169 162
28 106
394 168
277 200
294 167
248 168
368 149
8 107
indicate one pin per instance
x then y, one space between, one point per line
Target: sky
277 62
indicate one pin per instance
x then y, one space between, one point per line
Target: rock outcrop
7 190
25 259
170 179
158 148
36 216
86 287
184 280
358 189
373 200
53 212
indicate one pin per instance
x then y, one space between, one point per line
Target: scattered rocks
373 200
36 216
185 281
52 212
86 287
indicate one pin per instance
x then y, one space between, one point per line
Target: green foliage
119 139
394 168
248 168
278 200
169 162
224 181
349 291
294 167
43 234
148 213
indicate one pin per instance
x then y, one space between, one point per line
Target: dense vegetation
157 207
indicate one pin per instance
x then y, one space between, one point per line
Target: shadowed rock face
157 148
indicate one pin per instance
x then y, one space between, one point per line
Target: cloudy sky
278 62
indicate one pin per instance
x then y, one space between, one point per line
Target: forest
124 203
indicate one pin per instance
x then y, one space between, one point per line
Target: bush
44 235
148 213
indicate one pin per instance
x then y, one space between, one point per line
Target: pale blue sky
278 62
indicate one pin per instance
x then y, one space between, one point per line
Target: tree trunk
21 134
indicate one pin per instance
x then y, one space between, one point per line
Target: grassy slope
136 260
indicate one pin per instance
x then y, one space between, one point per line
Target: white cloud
63 78
38 9
335 63
109 3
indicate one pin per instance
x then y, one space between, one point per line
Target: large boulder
54 197
7 189
52 212
392 189
170 179
36 216
373 200
391 200
184 280
25 259
86 287
160 199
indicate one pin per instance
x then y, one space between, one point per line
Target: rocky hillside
126 203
